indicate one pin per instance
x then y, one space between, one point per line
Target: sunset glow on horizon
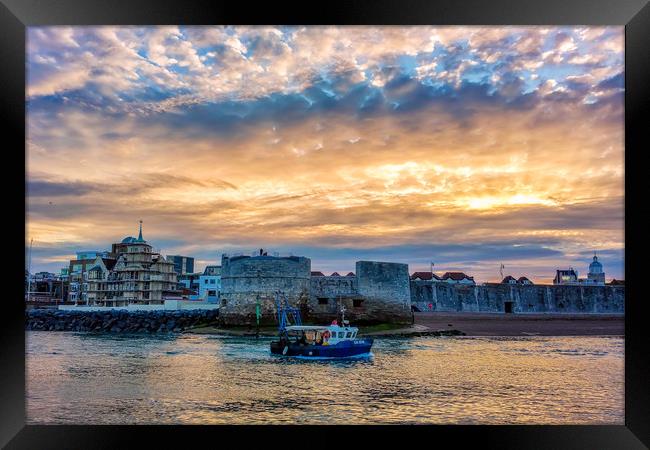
465 146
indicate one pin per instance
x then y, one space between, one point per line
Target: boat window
348 334
341 335
354 335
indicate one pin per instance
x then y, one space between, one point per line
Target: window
224 302
354 335
357 302
212 293
205 281
349 334
212 281
322 301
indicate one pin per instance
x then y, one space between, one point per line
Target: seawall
118 321
493 297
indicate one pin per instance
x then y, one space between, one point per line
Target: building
524 280
509 280
77 274
96 280
425 276
44 276
190 281
210 283
596 274
45 287
457 278
317 274
134 274
92 254
566 276
182 264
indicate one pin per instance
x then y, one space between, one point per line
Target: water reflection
102 379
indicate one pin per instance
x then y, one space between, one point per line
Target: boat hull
344 349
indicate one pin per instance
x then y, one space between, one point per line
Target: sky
468 147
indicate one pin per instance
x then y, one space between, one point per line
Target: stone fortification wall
493 297
329 293
384 288
246 280
378 293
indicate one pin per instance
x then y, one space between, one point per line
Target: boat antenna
29 270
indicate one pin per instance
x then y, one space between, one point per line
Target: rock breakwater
119 321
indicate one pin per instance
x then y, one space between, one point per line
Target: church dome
595 266
132 240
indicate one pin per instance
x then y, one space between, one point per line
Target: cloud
461 144
216 64
615 82
38 188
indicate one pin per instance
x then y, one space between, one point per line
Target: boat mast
29 270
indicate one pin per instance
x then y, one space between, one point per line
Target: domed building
136 274
596 274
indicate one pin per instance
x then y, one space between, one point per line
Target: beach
487 324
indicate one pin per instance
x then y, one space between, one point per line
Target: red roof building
425 276
457 278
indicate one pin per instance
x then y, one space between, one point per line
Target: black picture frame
16 15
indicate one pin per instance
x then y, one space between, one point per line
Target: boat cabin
321 335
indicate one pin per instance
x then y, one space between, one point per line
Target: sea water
85 378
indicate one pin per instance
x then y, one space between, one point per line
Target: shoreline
478 325
424 324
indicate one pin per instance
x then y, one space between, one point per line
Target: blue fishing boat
314 341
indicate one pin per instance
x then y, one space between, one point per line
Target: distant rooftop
424 276
456 276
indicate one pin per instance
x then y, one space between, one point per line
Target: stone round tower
247 281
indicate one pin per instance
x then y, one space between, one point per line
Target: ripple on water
95 379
